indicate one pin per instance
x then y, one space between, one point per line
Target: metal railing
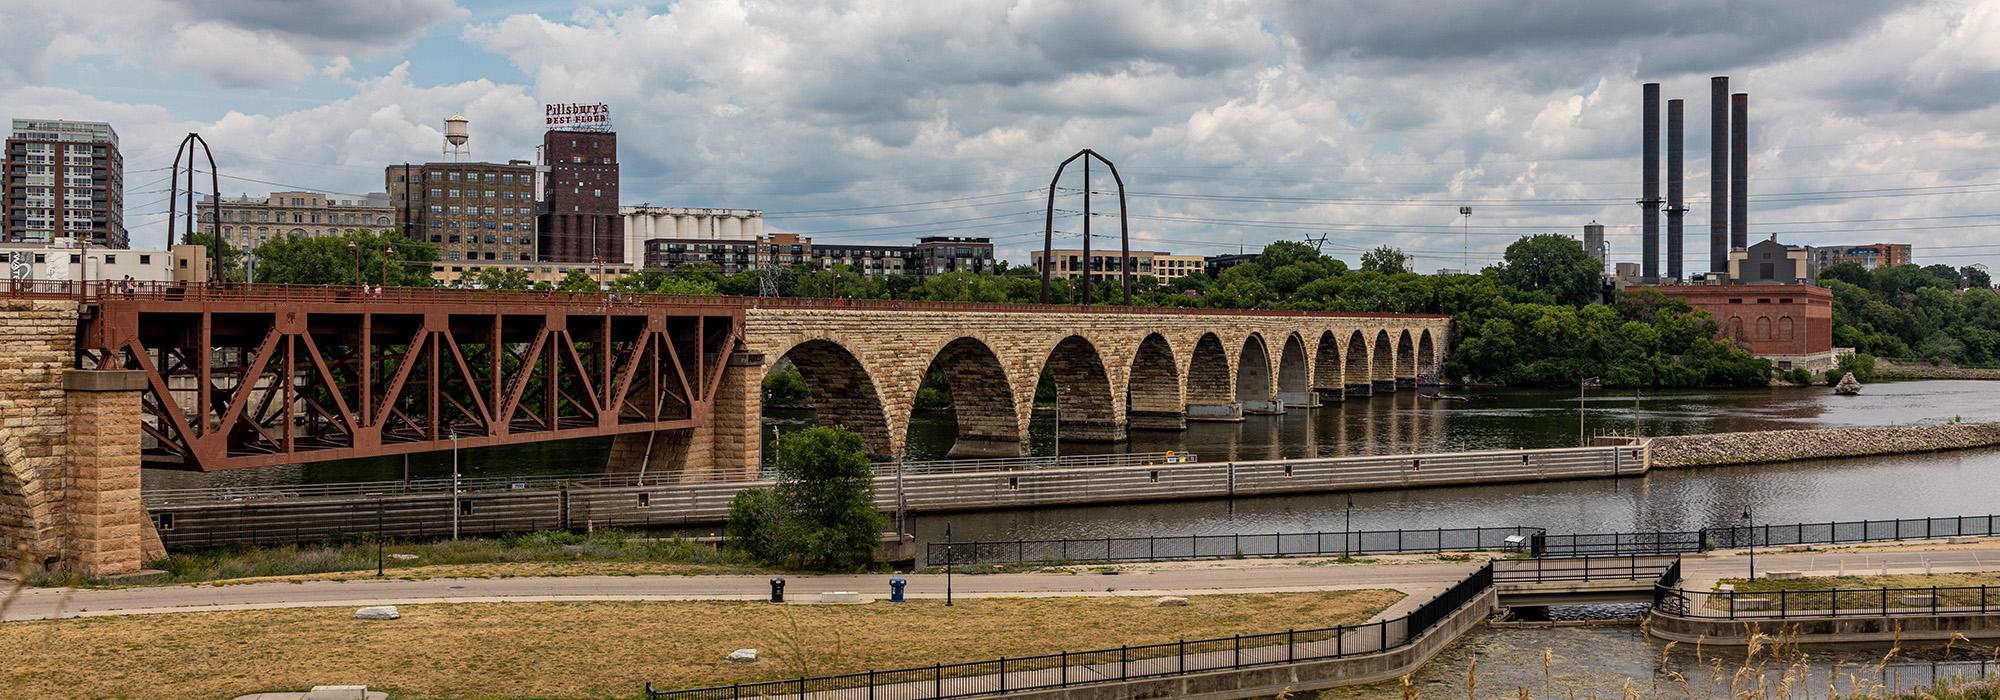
1002 464
1840 532
1276 544
1111 665
1617 568
96 290
1828 602
413 487
1617 544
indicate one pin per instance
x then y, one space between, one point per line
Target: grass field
1862 592
505 650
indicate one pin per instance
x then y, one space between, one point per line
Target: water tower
456 134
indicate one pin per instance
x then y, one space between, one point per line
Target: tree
232 259
335 260
1553 263
826 495
578 280
504 278
1975 278
1385 260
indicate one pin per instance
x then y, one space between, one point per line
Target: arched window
1763 328
1735 328
1785 328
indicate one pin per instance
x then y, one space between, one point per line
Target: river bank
1765 446
1889 369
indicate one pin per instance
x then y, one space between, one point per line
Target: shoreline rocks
1719 449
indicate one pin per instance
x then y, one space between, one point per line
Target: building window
145 259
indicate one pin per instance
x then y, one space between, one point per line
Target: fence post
1291 653
1149 548
871 684
1885 600
937 680
1933 600
1238 640
1836 601
1121 662
1384 626
1339 641
1183 655
1783 606
1003 675
1065 668
735 690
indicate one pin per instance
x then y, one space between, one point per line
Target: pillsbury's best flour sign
573 116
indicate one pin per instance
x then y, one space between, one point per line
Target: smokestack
1739 171
1674 207
1593 242
1649 206
1718 174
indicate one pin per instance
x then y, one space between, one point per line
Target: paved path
1418 579
1251 576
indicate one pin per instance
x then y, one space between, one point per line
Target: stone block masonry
1719 449
69 451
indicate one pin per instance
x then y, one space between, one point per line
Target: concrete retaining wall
1826 630
1268 681
679 505
1719 449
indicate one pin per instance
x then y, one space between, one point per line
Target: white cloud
231 57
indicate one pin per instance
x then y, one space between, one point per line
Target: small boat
1440 396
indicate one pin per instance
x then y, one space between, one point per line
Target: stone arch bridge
1113 369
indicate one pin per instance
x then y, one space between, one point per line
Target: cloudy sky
1233 124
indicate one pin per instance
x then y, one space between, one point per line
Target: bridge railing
95 290
1183 547
366 489
1837 532
1614 568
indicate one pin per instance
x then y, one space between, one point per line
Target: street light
1347 531
387 253
947 564
1750 529
357 262
1580 385
378 536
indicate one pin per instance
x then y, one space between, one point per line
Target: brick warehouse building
579 216
1789 324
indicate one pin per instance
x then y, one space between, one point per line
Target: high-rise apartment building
579 204
1162 266
246 222
63 180
472 211
936 255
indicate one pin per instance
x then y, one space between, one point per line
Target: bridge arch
1153 391
841 392
1382 363
982 400
1327 367
1084 407
1406 360
1295 374
1356 373
1253 377
1211 390
1427 359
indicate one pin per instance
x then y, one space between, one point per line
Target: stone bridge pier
1113 371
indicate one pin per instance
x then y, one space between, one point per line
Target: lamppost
1465 245
1347 531
1750 530
387 253
351 245
454 486
1580 386
378 536
948 556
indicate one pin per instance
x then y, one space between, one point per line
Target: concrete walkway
1417 578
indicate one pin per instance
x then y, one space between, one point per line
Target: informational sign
574 116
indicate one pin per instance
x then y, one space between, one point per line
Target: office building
473 212
63 180
466 274
43 262
580 219
872 260
246 222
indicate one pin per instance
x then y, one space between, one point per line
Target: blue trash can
896 589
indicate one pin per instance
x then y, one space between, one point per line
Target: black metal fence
1850 531
1828 602
1072 668
1631 567
1617 544
1276 544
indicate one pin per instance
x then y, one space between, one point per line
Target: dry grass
600 649
1863 592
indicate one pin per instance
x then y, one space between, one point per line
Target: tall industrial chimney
1718 174
1739 171
1649 205
1674 206
1593 243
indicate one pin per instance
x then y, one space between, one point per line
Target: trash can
896 589
777 589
